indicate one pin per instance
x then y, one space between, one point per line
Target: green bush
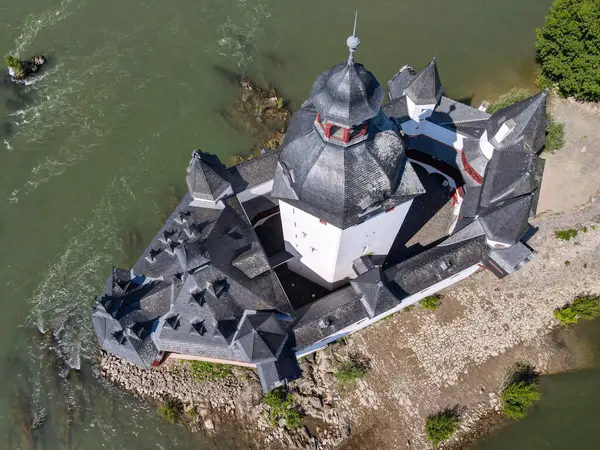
441 426
583 307
555 136
170 412
565 235
515 95
15 64
350 371
281 405
205 371
517 397
432 302
568 49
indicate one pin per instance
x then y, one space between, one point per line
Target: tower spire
353 41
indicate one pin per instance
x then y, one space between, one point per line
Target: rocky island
19 70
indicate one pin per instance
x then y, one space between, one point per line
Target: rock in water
20 70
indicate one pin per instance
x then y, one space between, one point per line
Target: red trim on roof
470 171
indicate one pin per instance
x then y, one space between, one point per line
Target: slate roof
340 184
374 292
347 95
261 336
192 285
425 88
457 116
400 82
205 181
527 119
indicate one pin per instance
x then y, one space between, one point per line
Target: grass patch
281 406
513 96
441 426
521 391
583 307
350 371
555 136
204 371
432 302
170 412
565 235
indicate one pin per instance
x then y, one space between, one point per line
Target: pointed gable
205 180
260 336
524 120
426 87
375 295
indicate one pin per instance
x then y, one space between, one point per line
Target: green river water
94 151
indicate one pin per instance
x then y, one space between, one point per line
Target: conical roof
204 180
525 120
261 337
347 95
426 87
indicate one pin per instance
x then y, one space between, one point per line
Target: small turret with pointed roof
205 178
426 87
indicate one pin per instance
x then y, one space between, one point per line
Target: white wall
429 129
406 302
374 236
327 252
318 243
418 112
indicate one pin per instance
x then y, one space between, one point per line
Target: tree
568 47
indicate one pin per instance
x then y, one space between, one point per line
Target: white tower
342 180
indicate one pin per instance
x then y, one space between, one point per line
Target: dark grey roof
252 262
280 372
425 87
397 109
374 292
205 179
343 186
527 119
511 173
327 315
124 318
347 94
254 172
509 222
459 117
400 81
504 261
436 264
261 336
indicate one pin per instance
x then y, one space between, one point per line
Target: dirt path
571 174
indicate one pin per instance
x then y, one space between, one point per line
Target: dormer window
333 132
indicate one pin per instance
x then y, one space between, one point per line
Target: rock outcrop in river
20 70
261 113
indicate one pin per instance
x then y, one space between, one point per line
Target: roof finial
353 41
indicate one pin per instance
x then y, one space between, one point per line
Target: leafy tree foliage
568 47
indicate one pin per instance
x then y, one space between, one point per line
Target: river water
93 156
566 416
